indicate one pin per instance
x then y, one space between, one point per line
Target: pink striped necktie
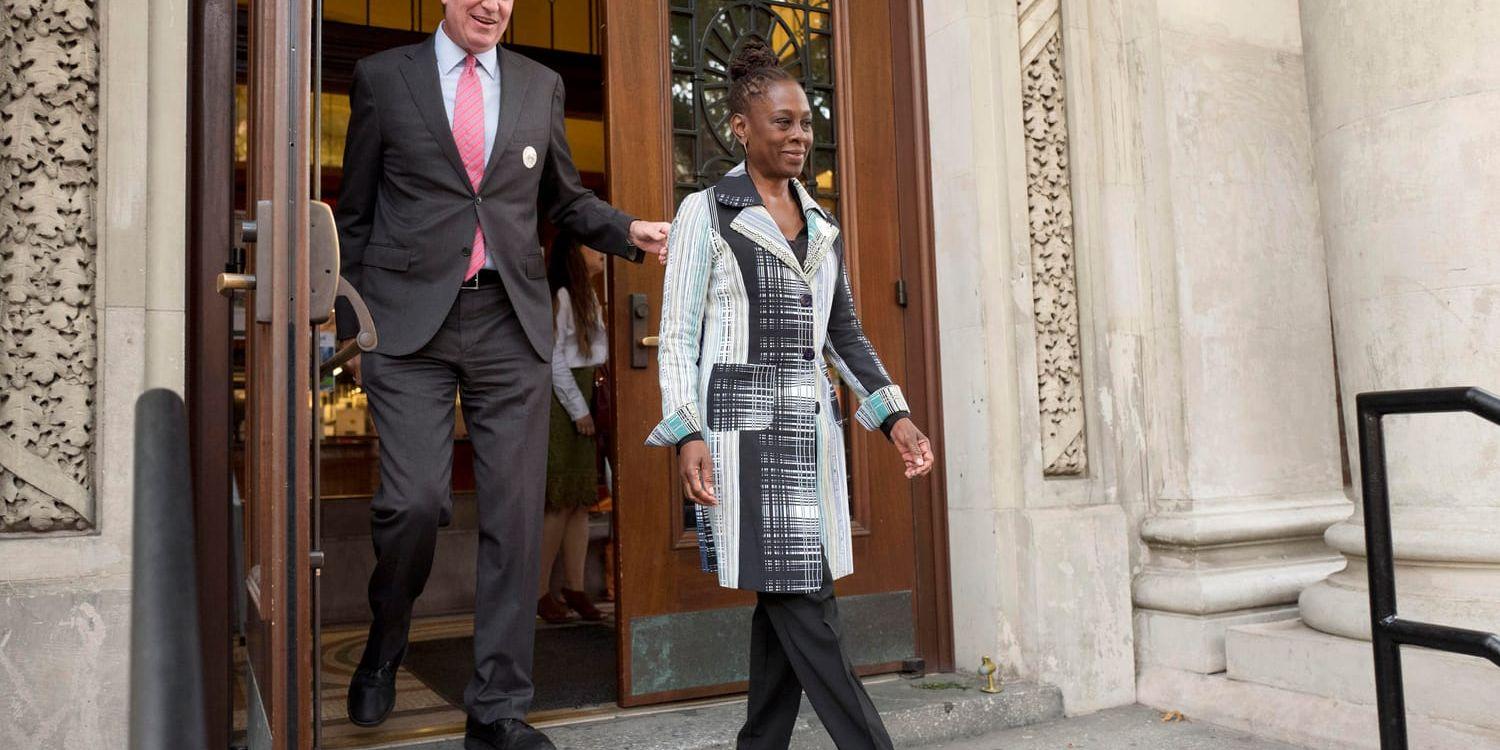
468 135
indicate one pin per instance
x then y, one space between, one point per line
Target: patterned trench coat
743 327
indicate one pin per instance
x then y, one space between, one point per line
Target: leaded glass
705 35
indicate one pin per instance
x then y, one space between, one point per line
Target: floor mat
574 666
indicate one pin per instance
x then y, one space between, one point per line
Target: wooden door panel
278 382
681 635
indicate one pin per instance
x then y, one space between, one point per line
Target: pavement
936 712
1125 728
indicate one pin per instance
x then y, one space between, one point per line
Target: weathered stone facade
49 66
1059 360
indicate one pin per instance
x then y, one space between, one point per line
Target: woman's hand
697 469
584 424
916 452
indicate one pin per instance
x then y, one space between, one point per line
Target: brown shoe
580 603
552 610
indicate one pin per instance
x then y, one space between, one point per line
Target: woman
579 348
756 290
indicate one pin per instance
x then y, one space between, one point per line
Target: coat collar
421 73
737 190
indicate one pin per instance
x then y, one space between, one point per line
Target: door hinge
901 292
315 559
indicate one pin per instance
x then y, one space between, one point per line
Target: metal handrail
1388 631
166 666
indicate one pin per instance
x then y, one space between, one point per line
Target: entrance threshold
918 710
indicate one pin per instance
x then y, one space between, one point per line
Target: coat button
464 252
807 300
478 199
808 354
817 407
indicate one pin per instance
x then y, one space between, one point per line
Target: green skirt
572 469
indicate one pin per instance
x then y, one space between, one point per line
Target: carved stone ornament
1059 357
49 83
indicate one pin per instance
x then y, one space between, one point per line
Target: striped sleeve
684 295
858 365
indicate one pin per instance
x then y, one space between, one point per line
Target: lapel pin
528 157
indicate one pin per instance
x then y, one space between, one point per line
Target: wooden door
279 414
682 636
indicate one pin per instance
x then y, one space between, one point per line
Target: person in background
572 472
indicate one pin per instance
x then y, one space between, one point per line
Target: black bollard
166 666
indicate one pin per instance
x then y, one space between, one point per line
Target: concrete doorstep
917 711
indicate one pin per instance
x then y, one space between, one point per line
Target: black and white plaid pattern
741 396
745 329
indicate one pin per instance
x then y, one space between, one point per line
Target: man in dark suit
453 144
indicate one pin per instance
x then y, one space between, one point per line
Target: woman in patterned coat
757 296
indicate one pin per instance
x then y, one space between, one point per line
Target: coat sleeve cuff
879 406
676 426
890 422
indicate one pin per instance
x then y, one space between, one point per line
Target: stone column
1405 101
1243 438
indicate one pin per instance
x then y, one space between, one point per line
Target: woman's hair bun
753 57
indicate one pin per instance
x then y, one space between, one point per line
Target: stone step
917 711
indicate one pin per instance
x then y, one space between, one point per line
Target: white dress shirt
450 63
566 357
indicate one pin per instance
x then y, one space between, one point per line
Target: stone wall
49 98
92 156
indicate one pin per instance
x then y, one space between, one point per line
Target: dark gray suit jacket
406 212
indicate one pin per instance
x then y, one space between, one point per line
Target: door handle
229 283
363 341
326 286
641 341
323 262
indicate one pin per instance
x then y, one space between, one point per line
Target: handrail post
166 667
1388 631
1379 553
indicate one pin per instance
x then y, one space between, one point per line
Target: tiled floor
420 712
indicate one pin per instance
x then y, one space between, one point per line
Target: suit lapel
421 74
513 83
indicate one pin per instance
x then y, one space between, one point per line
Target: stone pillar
1406 97
1243 434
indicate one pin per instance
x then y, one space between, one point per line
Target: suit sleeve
684 296
355 214
881 403
571 206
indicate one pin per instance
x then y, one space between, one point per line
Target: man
453 144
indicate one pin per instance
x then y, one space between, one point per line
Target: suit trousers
481 354
796 645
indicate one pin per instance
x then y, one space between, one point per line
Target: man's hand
352 366
584 424
697 469
916 452
651 236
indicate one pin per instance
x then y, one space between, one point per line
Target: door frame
636 41
209 389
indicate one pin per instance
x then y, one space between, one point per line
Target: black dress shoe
372 694
505 734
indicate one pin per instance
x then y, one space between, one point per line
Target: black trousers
481 354
796 645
